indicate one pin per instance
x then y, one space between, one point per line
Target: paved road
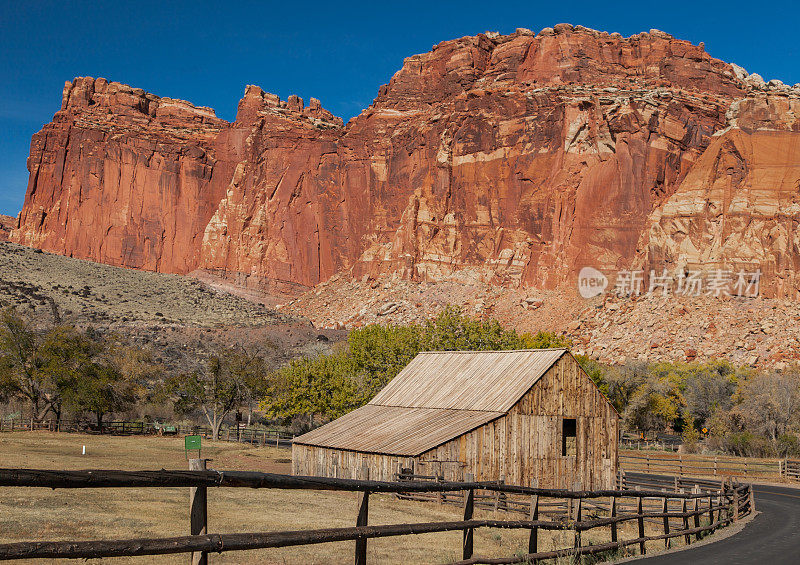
771 538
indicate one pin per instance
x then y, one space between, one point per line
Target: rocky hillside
7 223
178 318
762 332
509 160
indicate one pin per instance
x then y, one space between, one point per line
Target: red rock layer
514 160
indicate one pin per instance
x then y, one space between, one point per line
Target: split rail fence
254 436
689 515
707 466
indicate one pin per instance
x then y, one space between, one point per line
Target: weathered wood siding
324 462
524 446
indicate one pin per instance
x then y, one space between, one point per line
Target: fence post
666 523
198 512
735 502
715 465
361 543
577 531
500 497
614 515
642 548
711 512
533 540
752 500
469 506
686 537
697 518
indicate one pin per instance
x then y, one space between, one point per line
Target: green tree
378 353
328 386
324 387
38 365
100 389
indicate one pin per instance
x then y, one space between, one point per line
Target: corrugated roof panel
395 430
467 380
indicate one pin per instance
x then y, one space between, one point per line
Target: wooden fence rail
724 506
682 465
243 434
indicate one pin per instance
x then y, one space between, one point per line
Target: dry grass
41 514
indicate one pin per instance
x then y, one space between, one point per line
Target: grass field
42 514
32 514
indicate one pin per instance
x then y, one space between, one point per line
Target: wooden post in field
361 543
666 523
686 537
710 511
533 540
469 506
577 531
613 515
642 548
198 512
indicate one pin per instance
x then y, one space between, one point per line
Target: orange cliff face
514 160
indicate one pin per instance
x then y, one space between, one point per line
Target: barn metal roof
438 396
467 380
396 431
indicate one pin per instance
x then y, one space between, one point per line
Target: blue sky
338 52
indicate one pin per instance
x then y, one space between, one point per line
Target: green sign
192 442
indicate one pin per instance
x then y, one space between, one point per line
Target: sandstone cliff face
121 177
511 160
739 206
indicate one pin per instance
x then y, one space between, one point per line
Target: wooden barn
530 417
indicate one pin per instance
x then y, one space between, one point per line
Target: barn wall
324 462
525 445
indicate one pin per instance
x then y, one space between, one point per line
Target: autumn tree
769 403
226 382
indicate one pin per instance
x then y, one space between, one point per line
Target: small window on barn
569 437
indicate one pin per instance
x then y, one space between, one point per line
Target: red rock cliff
511 159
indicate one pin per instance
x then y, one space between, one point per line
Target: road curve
771 538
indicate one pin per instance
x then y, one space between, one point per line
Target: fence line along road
679 514
710 466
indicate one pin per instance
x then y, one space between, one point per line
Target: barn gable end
524 446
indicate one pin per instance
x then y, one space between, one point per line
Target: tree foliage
325 387
59 366
39 366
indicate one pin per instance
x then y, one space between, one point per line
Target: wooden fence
255 436
710 466
680 514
